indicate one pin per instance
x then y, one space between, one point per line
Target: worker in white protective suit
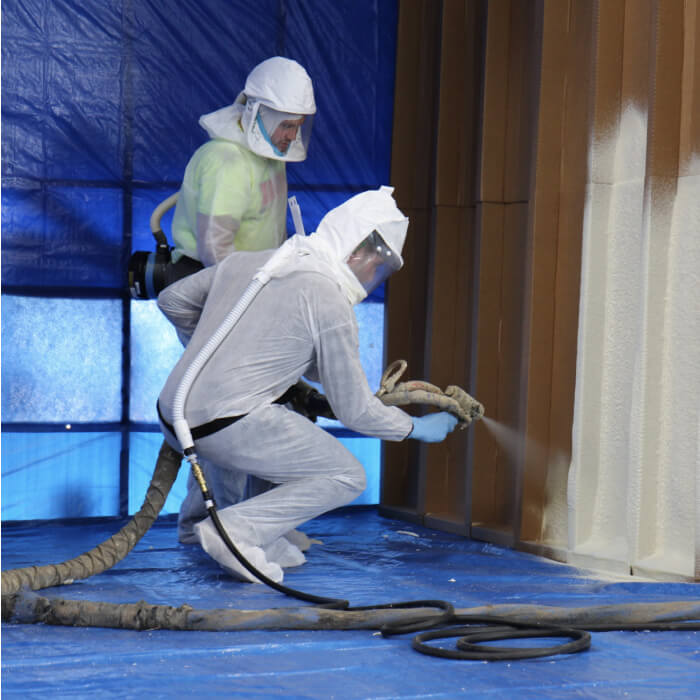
234 192
301 323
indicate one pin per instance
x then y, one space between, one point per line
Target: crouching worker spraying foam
292 316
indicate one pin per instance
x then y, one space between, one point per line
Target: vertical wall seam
127 99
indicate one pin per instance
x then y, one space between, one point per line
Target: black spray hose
473 630
332 603
198 474
496 628
320 601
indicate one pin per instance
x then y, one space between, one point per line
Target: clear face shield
373 261
275 134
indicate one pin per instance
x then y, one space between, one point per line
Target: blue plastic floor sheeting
365 558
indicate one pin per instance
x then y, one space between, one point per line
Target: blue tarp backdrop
100 104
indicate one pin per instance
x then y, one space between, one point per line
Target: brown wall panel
406 310
526 96
459 120
690 90
407 298
490 223
412 174
606 79
449 353
578 111
556 213
509 358
636 38
416 93
522 101
665 104
453 250
495 102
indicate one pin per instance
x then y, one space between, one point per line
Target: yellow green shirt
230 199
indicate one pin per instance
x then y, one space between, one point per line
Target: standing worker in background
234 191
234 196
301 323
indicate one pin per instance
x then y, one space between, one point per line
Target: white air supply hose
182 431
261 278
158 212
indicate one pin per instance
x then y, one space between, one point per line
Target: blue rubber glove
434 427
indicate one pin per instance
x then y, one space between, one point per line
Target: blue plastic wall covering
60 475
100 108
61 360
155 349
100 103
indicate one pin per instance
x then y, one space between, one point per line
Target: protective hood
277 90
225 123
339 233
282 84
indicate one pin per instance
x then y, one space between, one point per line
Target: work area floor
363 557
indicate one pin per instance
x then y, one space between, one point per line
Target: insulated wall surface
100 109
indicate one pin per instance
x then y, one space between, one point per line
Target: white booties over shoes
216 548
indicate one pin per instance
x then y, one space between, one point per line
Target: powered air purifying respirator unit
148 271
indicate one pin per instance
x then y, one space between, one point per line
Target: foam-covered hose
111 551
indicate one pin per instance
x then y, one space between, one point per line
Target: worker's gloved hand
316 404
434 427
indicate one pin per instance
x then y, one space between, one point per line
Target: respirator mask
373 261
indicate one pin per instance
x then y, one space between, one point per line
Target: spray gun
454 399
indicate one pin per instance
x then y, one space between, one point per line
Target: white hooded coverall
299 325
234 191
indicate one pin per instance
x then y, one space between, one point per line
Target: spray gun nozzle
476 411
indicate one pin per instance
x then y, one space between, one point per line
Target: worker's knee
353 476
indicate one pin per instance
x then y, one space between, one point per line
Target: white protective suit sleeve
215 237
345 384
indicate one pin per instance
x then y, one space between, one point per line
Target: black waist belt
206 428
